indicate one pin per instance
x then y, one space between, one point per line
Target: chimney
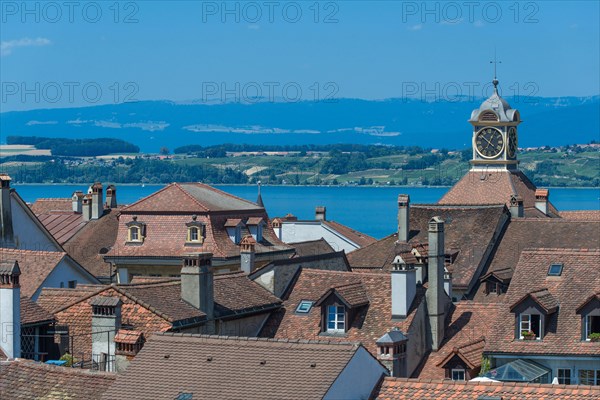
6 224
435 293
392 352
10 309
541 200
86 207
448 284
77 201
516 206
97 203
106 321
197 285
247 254
404 287
320 213
276 224
111 196
403 217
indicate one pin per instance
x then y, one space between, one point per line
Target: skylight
555 270
304 306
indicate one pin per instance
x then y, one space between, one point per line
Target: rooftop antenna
495 62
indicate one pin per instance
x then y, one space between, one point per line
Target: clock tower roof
502 111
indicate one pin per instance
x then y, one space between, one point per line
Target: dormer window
534 311
195 231
530 327
135 231
255 226
336 319
234 229
590 318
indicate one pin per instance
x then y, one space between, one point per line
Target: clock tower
495 138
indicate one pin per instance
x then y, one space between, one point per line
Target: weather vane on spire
495 62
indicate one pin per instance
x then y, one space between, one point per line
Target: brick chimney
541 200
106 321
197 282
516 206
7 238
247 254
320 213
10 309
392 352
435 296
403 217
97 203
111 196
77 201
404 287
86 207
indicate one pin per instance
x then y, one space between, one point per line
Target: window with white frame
589 377
592 325
458 374
564 376
530 323
336 318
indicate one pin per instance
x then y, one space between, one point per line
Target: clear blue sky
368 50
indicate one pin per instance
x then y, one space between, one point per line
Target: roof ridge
157 335
188 194
147 197
214 189
491 383
565 251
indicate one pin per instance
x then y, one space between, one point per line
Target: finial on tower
495 62
259 200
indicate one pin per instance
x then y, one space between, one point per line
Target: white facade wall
27 234
302 231
358 379
10 322
65 271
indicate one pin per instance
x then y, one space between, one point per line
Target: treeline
76 147
137 170
368 150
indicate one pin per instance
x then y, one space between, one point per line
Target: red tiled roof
311 247
62 225
352 294
357 237
253 368
468 229
25 379
579 280
527 233
190 198
468 326
543 297
32 313
495 187
425 389
35 266
581 215
128 336
45 205
369 324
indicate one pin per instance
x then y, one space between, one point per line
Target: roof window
304 307
555 270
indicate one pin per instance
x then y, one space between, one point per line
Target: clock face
489 142
512 142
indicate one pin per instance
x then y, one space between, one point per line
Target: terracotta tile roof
53 299
35 266
254 220
62 225
579 280
33 314
25 379
257 368
166 236
425 389
353 294
468 229
45 205
2 357
526 233
496 187
235 293
357 237
232 222
128 336
468 326
312 247
369 324
190 198
96 237
543 297
581 215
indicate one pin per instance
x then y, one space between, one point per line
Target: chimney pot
111 196
197 285
320 213
516 206
403 217
404 287
541 200
97 203
6 223
436 299
247 254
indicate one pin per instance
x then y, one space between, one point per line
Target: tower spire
495 62
259 200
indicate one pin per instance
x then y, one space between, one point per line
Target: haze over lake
371 210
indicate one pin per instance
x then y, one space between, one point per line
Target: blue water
371 210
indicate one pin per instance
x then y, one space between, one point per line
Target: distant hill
153 124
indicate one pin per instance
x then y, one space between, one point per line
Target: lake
371 210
